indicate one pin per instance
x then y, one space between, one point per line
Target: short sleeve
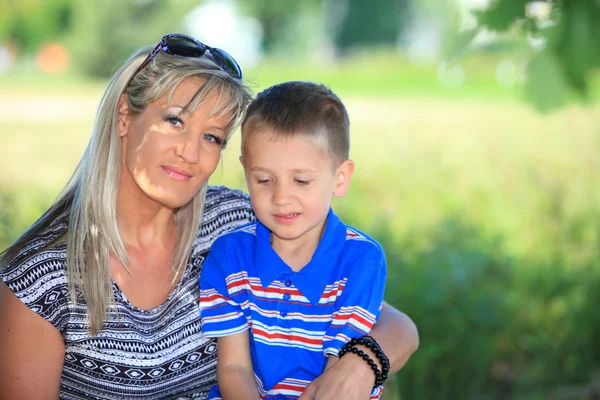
38 278
357 309
222 292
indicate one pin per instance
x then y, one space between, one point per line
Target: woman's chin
172 202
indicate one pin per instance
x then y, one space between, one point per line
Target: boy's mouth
286 218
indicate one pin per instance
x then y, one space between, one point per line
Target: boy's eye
302 182
213 139
262 181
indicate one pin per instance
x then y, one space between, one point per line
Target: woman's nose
188 148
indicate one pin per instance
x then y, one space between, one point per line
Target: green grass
377 74
416 159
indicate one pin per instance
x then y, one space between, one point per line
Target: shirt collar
268 263
314 277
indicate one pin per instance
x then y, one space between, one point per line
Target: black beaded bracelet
370 343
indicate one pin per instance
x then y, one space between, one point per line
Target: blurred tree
368 23
106 32
281 22
294 27
569 30
29 23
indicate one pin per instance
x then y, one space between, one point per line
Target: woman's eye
175 121
213 139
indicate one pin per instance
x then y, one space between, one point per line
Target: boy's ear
343 175
242 160
124 116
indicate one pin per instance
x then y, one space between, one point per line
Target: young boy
286 293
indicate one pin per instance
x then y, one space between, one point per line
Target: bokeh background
474 132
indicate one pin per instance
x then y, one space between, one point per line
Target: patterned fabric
140 354
296 319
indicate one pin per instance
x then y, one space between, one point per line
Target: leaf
502 14
546 85
460 44
577 47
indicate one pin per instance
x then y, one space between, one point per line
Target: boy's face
292 183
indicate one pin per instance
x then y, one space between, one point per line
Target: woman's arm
31 352
397 336
351 378
234 368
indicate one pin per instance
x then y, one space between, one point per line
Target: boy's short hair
299 108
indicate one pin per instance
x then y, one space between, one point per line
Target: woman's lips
178 174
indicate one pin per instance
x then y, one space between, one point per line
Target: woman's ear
124 115
343 176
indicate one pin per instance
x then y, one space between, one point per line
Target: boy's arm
223 286
234 368
351 377
357 308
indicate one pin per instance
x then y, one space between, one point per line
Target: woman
100 296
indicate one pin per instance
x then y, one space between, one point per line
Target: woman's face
168 153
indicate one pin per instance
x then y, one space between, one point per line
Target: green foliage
491 326
30 23
371 23
102 33
571 54
502 14
546 86
295 27
455 288
107 32
18 210
280 22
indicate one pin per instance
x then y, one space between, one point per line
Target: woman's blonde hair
90 196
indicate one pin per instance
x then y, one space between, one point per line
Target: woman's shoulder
222 196
36 274
48 244
225 209
42 254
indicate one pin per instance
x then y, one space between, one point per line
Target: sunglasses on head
181 45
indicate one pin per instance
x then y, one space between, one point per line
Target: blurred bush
19 208
493 326
102 34
28 24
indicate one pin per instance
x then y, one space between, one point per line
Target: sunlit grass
416 159
381 73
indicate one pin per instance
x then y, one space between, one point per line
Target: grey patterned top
141 354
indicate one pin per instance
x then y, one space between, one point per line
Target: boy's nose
281 195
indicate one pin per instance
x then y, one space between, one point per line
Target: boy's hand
343 380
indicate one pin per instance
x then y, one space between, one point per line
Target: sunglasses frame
164 47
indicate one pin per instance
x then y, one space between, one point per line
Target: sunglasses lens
227 62
184 47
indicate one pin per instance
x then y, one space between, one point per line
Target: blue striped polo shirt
296 319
